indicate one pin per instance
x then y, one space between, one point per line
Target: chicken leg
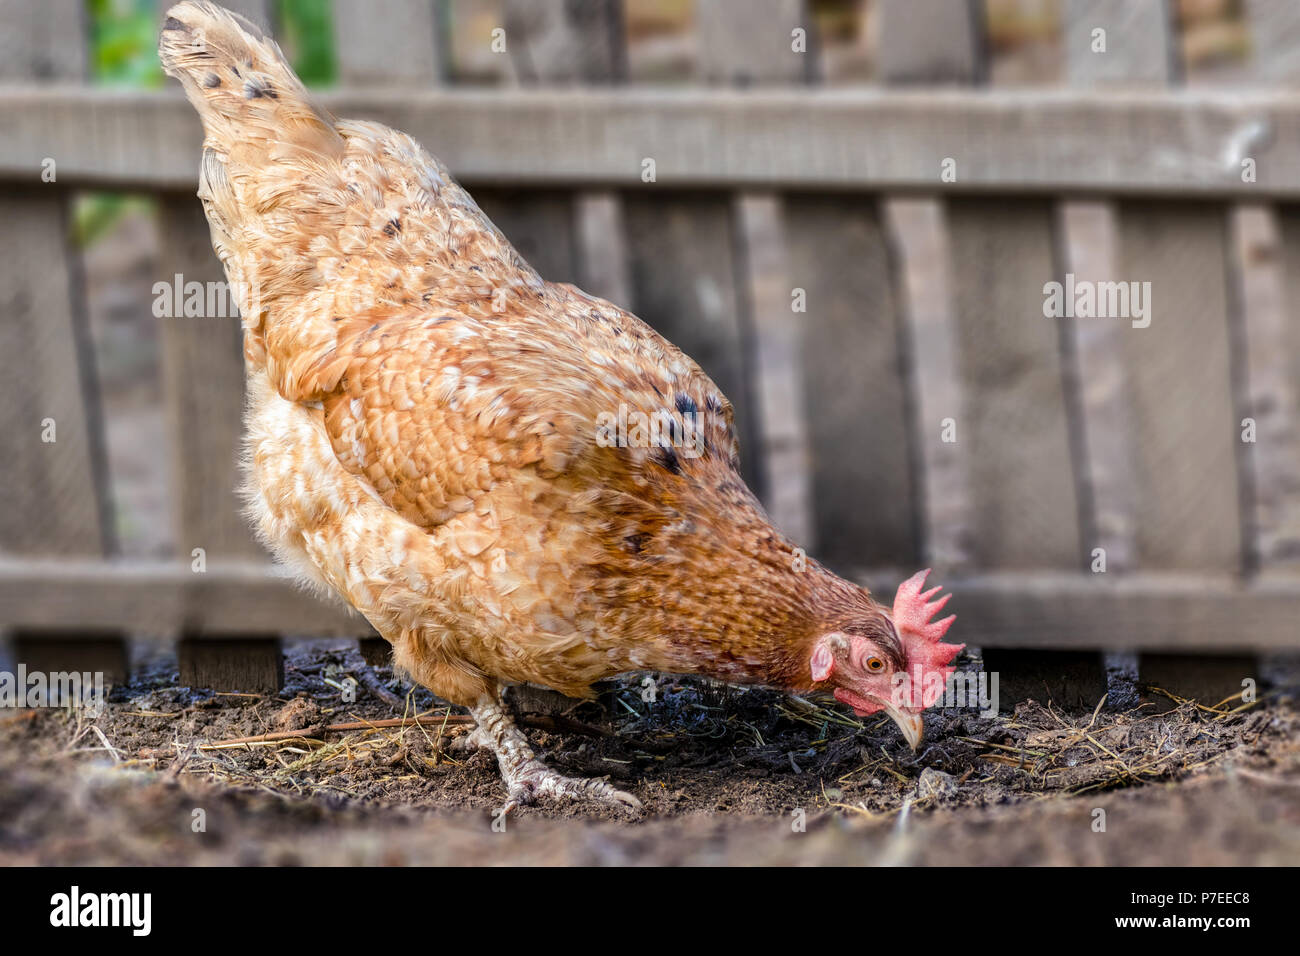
527 778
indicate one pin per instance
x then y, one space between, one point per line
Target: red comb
928 658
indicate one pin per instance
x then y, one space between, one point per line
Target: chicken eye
875 665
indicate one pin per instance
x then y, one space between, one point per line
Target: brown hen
512 480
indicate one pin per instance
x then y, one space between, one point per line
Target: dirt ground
727 775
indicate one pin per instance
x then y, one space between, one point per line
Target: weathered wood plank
258 12
165 598
1275 40
777 371
53 480
1132 143
77 648
580 41
1100 396
1265 250
849 364
250 664
931 42
52 475
1135 46
1024 512
43 41
602 247
203 378
1171 612
919 235
744 42
1179 372
1097 389
388 43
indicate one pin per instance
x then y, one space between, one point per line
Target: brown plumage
437 434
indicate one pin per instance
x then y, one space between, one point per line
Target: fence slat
1024 510
744 42
43 41
778 376
53 490
203 379
931 42
602 247
1089 246
1179 370
203 386
388 42
1118 42
1017 143
919 235
1275 40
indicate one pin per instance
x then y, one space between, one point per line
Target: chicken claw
527 779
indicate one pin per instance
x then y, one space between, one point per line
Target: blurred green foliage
124 40
305 33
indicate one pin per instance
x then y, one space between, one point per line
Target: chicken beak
912 725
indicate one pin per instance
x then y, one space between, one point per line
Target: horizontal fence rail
1184 144
1056 610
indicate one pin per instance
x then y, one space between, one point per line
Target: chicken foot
527 779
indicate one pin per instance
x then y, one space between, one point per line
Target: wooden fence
924 313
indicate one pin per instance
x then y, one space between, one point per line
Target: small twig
1097 711
371 682
117 756
1014 750
535 721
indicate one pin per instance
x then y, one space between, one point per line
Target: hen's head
891 661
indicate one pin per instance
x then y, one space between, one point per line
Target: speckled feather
422 417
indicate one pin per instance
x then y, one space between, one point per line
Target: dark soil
726 775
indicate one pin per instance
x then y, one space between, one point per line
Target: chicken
512 480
